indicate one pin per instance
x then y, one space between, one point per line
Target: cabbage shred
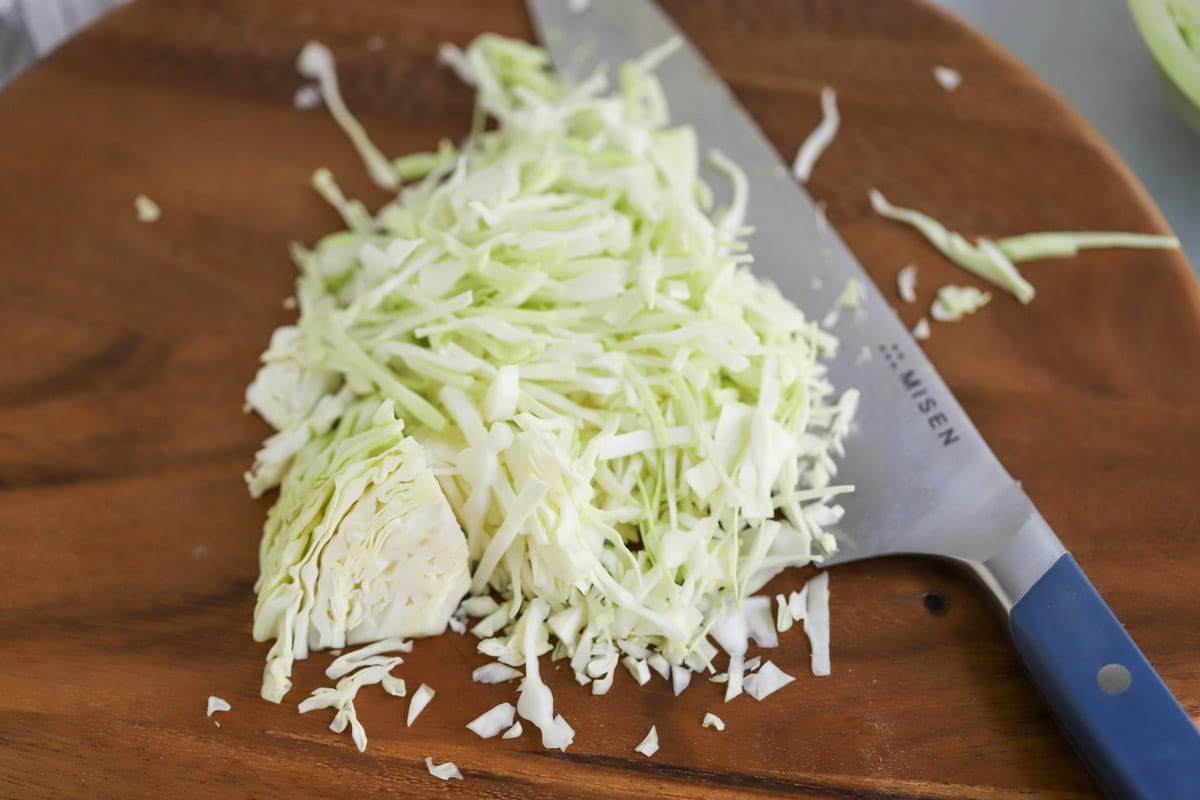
542 376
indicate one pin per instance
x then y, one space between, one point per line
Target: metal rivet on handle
1113 678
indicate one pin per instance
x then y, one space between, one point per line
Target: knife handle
1135 737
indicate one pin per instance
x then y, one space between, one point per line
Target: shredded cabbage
819 140
995 261
920 331
713 721
955 302
1030 246
368 655
541 390
341 697
316 62
216 704
982 259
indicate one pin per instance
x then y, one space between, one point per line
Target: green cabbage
1171 28
360 546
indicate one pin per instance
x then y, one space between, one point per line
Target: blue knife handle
1135 737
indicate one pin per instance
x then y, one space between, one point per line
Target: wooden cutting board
128 543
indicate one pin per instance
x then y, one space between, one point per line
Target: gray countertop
1090 51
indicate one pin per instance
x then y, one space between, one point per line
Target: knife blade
927 482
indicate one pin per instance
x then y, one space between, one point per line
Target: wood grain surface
128 543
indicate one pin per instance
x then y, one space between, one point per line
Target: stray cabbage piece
648 745
783 615
920 331
791 609
995 260
549 351
948 78
713 721
306 97
1030 246
316 62
216 704
341 697
816 623
822 222
735 627
146 209
820 139
982 259
493 721
681 677
536 703
368 655
495 673
416 705
851 296
955 302
906 283
766 681
443 771
513 732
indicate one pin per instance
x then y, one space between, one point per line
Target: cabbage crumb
444 772
955 302
949 79
146 209
649 745
906 283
